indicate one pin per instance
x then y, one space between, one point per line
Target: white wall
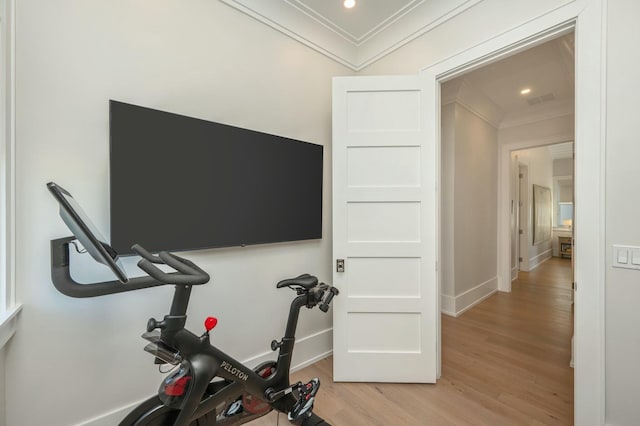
540 165
447 222
563 167
622 213
468 211
475 202
81 358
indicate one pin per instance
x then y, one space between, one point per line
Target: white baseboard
536 261
448 305
514 273
311 349
113 417
456 305
307 350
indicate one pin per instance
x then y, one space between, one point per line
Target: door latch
339 265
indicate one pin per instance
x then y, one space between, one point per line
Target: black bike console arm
61 276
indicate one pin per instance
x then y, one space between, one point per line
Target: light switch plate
627 257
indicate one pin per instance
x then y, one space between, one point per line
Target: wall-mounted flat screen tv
181 183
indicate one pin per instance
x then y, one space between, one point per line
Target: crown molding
295 22
544 111
463 93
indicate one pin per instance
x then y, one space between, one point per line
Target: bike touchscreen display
85 231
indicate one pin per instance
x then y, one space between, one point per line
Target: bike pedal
306 396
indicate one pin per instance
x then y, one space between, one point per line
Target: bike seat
305 281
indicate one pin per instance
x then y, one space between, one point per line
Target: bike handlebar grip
151 270
173 278
324 306
141 251
185 266
180 264
170 278
189 263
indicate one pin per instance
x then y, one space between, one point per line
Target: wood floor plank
504 362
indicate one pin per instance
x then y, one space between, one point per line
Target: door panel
384 168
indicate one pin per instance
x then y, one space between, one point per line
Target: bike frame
207 362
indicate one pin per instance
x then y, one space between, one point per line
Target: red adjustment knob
210 323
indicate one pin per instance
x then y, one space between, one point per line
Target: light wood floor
504 362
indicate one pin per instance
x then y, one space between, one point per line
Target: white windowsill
8 324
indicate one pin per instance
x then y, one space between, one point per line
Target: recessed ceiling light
349 3
525 91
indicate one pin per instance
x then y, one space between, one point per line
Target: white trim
523 219
354 39
448 305
7 167
538 260
8 321
304 26
457 305
508 43
587 16
112 417
504 197
308 350
589 232
312 348
474 101
533 115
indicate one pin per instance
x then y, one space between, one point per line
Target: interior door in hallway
386 318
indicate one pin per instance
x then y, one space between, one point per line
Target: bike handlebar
188 273
65 284
142 252
324 306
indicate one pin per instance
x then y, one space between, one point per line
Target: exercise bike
206 387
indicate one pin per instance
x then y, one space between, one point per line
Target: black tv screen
181 183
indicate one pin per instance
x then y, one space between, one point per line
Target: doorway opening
553 167
523 101
500 122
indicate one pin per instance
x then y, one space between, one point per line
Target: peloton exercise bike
207 387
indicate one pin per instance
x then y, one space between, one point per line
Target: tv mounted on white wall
181 183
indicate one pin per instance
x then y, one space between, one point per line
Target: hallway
504 362
511 353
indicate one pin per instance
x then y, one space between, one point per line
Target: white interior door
386 318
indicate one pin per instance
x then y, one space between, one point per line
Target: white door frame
504 198
587 18
523 210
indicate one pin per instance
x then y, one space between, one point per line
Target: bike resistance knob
210 323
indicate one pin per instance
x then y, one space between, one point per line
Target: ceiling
547 70
354 37
365 19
